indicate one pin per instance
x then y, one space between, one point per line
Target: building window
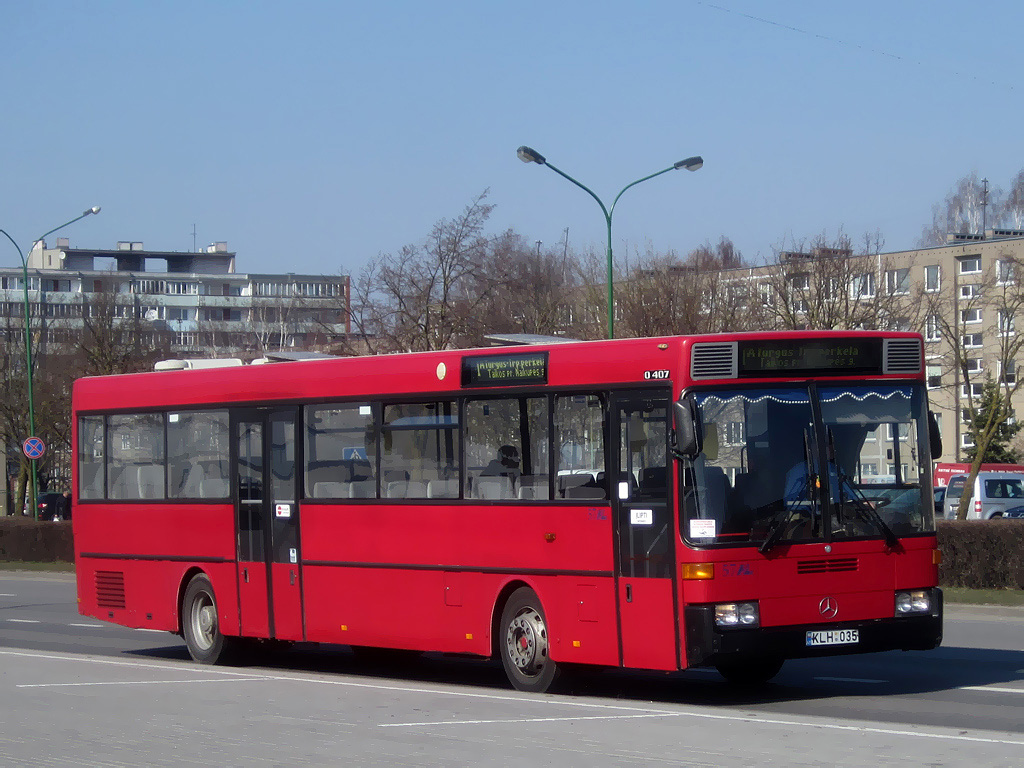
932 277
766 294
1007 322
863 286
735 433
1005 270
799 283
970 265
970 315
934 373
966 440
973 365
897 282
932 328
869 468
976 389
973 340
971 291
1008 372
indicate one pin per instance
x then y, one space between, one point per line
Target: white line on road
850 680
990 688
87 626
24 621
141 682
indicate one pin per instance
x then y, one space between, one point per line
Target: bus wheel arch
186 579
523 641
200 624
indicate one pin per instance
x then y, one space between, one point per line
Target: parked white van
994 493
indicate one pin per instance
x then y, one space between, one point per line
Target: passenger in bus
505 465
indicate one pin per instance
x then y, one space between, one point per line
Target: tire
200 626
756 671
524 644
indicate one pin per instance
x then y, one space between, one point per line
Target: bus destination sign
505 370
801 357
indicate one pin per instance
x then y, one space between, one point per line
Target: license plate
834 637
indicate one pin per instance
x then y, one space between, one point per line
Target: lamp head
690 163
528 155
94 209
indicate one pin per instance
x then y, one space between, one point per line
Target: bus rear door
267 515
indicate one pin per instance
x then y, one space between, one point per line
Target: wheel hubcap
204 621
527 642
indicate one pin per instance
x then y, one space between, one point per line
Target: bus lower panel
706 645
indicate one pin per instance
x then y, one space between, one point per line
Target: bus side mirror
934 438
688 441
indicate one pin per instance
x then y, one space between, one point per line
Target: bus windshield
761 476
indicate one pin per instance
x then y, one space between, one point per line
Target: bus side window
341 450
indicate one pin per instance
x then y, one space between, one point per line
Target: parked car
52 506
939 492
993 494
1014 512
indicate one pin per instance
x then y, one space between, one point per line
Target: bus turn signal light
694 571
936 557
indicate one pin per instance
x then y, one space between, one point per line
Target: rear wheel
524 643
750 671
200 626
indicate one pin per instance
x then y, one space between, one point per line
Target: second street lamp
528 155
28 343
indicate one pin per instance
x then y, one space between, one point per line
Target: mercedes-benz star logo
828 607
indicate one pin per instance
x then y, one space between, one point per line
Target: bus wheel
524 643
199 623
750 671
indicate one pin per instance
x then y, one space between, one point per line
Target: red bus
656 504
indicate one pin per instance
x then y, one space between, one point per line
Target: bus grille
829 565
902 356
110 589
714 360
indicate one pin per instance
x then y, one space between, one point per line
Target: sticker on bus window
703 529
282 510
641 516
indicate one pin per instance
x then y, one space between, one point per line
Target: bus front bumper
707 645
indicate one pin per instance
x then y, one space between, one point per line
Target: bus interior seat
214 488
150 481
362 489
716 491
330 489
492 488
654 481
585 492
565 482
442 489
533 487
192 485
407 489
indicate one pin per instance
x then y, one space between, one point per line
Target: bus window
197 454
135 456
419 445
90 457
507 439
579 431
341 452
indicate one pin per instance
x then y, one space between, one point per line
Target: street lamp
528 155
28 342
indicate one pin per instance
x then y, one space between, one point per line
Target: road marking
24 621
851 680
144 629
140 682
87 626
549 701
7 594
990 688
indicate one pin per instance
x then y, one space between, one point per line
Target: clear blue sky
313 135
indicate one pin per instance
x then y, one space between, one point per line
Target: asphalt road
75 691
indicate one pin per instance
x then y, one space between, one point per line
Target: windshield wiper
861 504
780 520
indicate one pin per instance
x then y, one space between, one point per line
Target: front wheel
200 627
524 643
750 671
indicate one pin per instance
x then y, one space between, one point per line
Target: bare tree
116 338
961 211
1010 211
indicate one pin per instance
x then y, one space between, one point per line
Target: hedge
24 539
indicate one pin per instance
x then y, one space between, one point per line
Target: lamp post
528 155
28 343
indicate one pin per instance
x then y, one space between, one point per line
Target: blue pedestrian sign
34 447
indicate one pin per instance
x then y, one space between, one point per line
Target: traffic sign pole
33 448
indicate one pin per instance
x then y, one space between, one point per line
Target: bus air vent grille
110 589
827 565
902 356
713 360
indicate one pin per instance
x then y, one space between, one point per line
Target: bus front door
267 515
639 493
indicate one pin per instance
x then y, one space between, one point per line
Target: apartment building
196 299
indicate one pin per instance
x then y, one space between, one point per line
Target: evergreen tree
993 409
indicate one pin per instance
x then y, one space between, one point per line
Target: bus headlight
737 615
913 602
